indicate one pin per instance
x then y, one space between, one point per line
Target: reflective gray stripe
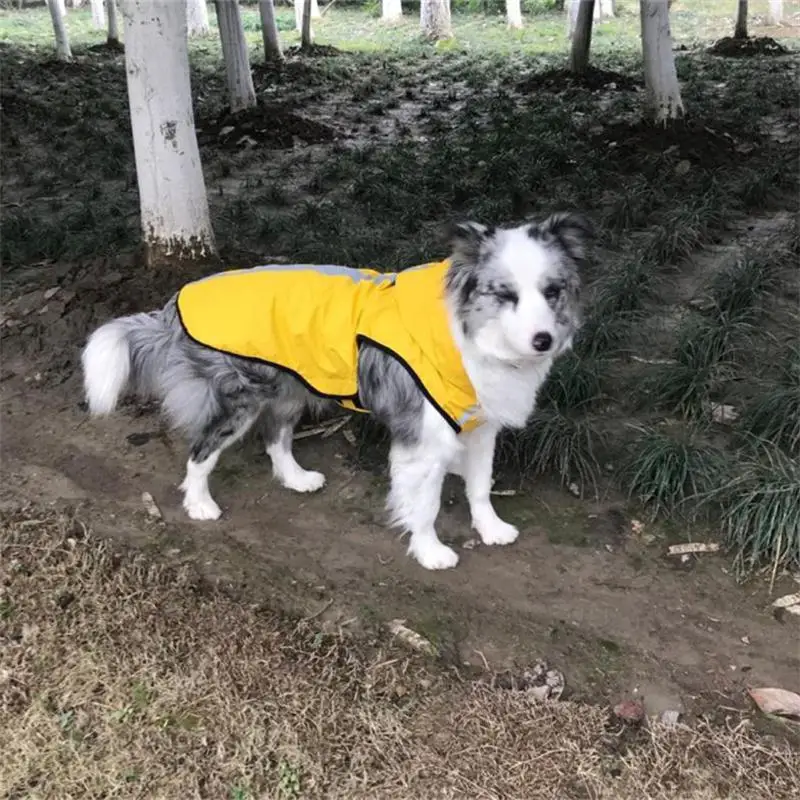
354 274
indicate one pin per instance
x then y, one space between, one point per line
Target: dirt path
578 589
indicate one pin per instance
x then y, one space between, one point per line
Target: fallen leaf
150 506
693 547
669 717
504 492
630 711
722 413
412 639
777 701
786 601
470 544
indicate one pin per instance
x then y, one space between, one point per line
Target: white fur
106 367
197 499
287 471
417 474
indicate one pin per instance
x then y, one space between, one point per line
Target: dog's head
515 292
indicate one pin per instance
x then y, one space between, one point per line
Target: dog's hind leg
280 420
222 431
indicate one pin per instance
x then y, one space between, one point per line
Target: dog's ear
467 239
572 232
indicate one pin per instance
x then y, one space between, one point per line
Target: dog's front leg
417 473
478 463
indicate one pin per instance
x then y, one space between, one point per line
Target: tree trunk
306 34
57 14
434 19
241 92
269 31
113 23
514 14
661 80
775 15
572 17
740 31
172 191
98 15
603 9
391 10
298 12
197 18
582 38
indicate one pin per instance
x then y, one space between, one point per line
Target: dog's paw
201 508
304 481
495 531
432 554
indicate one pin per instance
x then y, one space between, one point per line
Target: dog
444 355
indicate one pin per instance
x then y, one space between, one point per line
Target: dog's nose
542 342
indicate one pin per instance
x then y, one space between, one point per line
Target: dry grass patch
120 678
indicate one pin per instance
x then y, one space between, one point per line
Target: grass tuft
761 511
775 417
556 443
669 469
573 383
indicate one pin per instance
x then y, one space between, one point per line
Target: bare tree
740 31
58 16
391 10
775 15
98 14
172 194
582 38
197 18
241 91
113 24
663 101
434 19
269 31
514 14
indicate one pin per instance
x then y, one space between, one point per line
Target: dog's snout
542 342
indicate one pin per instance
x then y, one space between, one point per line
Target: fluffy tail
106 365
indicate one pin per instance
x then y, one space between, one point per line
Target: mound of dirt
691 140
557 80
743 48
315 51
271 126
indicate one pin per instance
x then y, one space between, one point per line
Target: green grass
671 469
760 511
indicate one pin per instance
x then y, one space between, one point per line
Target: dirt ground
583 588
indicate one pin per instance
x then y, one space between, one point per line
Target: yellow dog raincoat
310 320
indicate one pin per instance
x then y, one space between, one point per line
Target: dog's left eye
552 292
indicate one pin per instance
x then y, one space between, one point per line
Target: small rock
470 544
745 640
682 167
112 279
226 130
50 292
669 717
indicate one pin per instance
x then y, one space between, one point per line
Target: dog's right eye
505 294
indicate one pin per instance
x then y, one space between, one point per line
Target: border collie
506 301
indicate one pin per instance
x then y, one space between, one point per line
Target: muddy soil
583 588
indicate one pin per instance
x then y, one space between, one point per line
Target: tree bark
197 18
113 23
514 14
663 95
775 15
740 31
172 194
241 91
98 14
582 38
58 15
269 31
391 10
434 19
306 34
